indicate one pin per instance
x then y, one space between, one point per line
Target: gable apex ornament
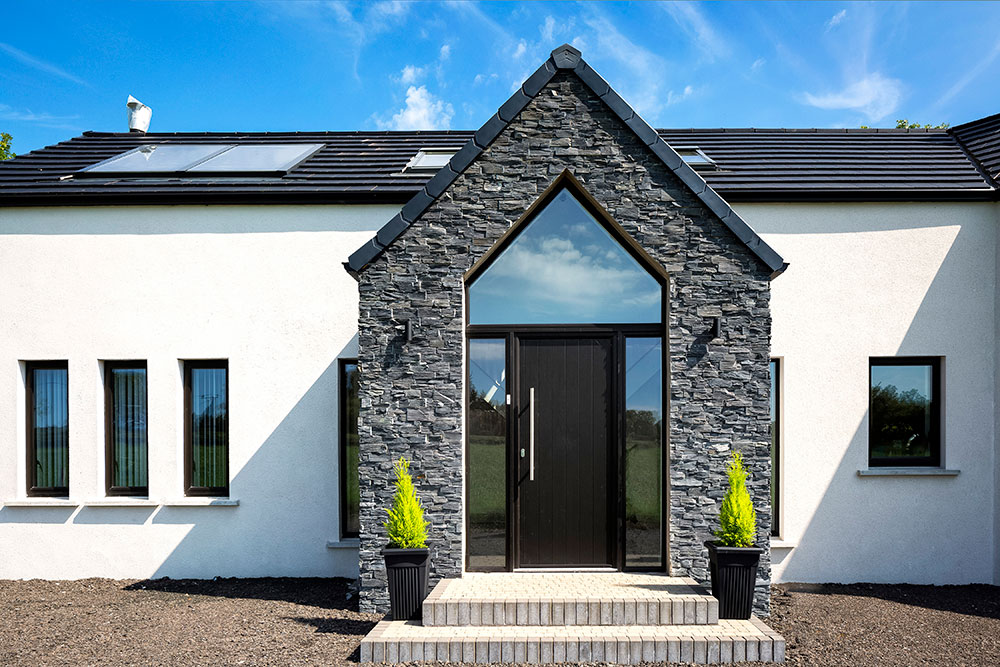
563 58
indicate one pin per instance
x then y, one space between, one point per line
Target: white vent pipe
138 115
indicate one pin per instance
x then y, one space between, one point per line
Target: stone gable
412 394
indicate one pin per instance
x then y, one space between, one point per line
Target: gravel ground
312 621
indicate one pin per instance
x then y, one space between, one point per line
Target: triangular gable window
564 267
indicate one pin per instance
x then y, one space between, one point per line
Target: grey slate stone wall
412 393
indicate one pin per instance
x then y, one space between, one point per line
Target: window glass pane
161 157
274 157
351 497
643 452
564 267
128 428
50 427
775 444
901 413
487 484
209 428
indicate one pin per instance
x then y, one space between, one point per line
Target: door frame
510 332
512 335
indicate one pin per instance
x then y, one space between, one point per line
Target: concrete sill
121 502
41 502
907 472
782 544
202 502
346 543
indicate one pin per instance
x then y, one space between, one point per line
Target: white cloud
874 95
676 98
968 77
411 74
643 71
836 19
422 111
522 48
698 29
548 30
445 52
45 119
757 64
40 65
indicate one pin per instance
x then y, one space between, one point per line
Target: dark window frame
937 414
776 436
619 331
342 405
29 400
217 491
109 451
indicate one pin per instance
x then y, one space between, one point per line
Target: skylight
695 157
205 159
429 159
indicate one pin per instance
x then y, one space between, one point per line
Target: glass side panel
50 427
209 428
128 428
901 414
159 157
351 405
775 446
564 267
431 160
272 157
487 484
643 453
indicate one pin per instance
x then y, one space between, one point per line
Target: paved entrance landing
571 617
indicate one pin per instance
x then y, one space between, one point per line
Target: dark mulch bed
312 621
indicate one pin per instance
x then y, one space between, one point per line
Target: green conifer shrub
406 525
737 519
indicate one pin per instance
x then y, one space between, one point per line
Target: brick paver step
726 642
569 599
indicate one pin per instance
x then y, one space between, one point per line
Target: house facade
216 344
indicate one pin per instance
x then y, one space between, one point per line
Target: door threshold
565 570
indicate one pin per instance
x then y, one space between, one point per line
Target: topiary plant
737 519
406 525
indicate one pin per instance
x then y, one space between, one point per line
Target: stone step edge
673 610
539 650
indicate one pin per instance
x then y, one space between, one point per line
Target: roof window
204 160
695 157
429 159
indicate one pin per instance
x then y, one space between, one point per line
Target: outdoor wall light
716 330
407 331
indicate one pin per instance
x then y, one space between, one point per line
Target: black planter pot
408 571
734 575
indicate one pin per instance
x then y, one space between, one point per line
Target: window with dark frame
126 434
904 425
47 402
206 428
775 447
350 408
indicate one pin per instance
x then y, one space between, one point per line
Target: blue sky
66 67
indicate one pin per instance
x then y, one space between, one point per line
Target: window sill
907 472
41 502
346 543
122 501
202 502
782 544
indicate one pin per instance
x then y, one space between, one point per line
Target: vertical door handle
531 434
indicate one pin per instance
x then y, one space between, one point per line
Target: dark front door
565 453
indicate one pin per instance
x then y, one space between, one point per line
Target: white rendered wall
866 280
261 286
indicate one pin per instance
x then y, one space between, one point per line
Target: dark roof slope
771 164
982 139
834 164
